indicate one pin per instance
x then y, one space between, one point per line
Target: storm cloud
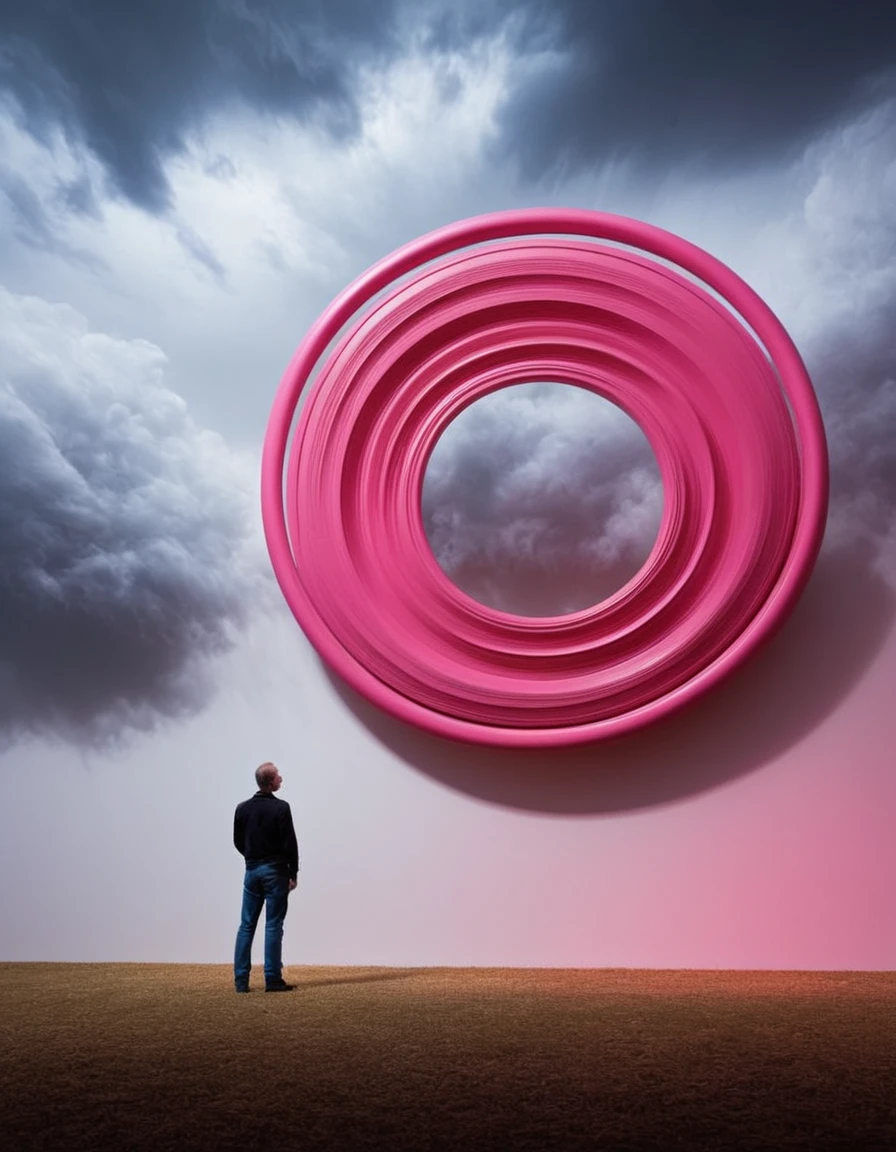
132 80
843 240
855 373
127 556
696 83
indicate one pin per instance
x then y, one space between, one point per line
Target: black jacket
263 832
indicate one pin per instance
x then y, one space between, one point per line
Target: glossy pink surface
737 435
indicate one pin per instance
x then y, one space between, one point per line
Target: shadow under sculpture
765 707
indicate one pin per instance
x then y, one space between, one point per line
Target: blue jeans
264 886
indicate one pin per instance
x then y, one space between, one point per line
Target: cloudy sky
183 187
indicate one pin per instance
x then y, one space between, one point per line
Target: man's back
263 831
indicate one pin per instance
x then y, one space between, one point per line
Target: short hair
265 773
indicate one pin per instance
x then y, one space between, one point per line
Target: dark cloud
690 82
124 534
846 232
854 371
130 80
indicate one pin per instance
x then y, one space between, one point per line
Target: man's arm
239 832
290 844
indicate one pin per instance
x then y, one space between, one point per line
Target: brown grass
156 1056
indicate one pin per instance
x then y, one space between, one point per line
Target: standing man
263 833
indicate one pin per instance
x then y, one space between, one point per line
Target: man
263 833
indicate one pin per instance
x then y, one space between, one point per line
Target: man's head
267 777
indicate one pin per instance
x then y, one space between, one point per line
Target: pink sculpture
733 422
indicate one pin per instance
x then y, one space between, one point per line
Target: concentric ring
690 352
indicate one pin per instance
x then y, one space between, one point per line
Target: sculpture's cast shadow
767 706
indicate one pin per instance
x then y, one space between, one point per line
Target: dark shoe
242 987
281 987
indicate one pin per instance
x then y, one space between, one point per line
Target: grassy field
153 1056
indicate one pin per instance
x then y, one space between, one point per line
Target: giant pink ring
731 416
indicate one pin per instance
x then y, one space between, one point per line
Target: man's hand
292 884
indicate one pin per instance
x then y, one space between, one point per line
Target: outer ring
810 512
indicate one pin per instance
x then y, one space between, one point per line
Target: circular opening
542 499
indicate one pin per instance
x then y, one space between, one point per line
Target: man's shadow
777 698
360 978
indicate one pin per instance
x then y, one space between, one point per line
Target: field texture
163 1057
